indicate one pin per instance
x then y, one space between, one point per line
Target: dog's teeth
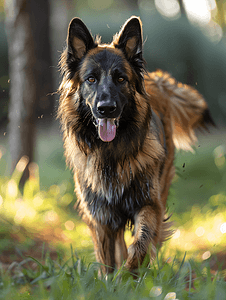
96 122
116 121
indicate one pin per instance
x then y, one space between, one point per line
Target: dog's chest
113 203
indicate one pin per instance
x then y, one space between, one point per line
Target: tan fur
173 111
184 103
120 249
166 99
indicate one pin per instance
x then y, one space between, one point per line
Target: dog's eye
91 79
121 79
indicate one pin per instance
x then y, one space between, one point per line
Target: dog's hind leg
147 229
120 248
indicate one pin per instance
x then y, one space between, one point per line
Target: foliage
73 279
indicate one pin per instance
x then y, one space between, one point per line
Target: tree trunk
182 9
22 81
40 24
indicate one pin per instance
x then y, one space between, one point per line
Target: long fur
126 179
189 111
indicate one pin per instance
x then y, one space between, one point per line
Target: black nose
106 108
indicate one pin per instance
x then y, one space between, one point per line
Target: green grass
73 279
39 227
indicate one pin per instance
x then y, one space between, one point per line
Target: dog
120 126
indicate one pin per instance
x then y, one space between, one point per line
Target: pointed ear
79 38
130 39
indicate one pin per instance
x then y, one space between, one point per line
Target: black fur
114 209
120 140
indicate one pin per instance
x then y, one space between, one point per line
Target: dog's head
106 76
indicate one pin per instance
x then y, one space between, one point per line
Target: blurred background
187 38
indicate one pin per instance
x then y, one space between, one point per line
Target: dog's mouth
107 128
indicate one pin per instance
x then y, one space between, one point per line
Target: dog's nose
106 108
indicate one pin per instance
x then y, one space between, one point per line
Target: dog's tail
183 104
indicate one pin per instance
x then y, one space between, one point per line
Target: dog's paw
133 259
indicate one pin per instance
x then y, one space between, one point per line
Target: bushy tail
187 108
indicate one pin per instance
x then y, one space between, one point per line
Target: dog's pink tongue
106 129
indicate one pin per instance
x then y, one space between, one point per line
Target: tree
22 75
182 9
27 27
40 24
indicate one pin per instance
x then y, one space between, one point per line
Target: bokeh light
51 216
12 188
37 201
21 165
156 291
206 255
168 8
176 234
69 225
200 231
199 11
23 210
170 296
223 228
211 237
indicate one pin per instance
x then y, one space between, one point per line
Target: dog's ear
79 38
130 39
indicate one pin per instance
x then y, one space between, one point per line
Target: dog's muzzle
107 120
107 128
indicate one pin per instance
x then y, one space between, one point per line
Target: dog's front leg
104 246
147 229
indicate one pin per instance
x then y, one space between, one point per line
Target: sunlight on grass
205 229
43 214
35 216
49 216
201 230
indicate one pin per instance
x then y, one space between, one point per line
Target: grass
38 227
74 279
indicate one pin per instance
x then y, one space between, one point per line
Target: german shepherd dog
121 125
